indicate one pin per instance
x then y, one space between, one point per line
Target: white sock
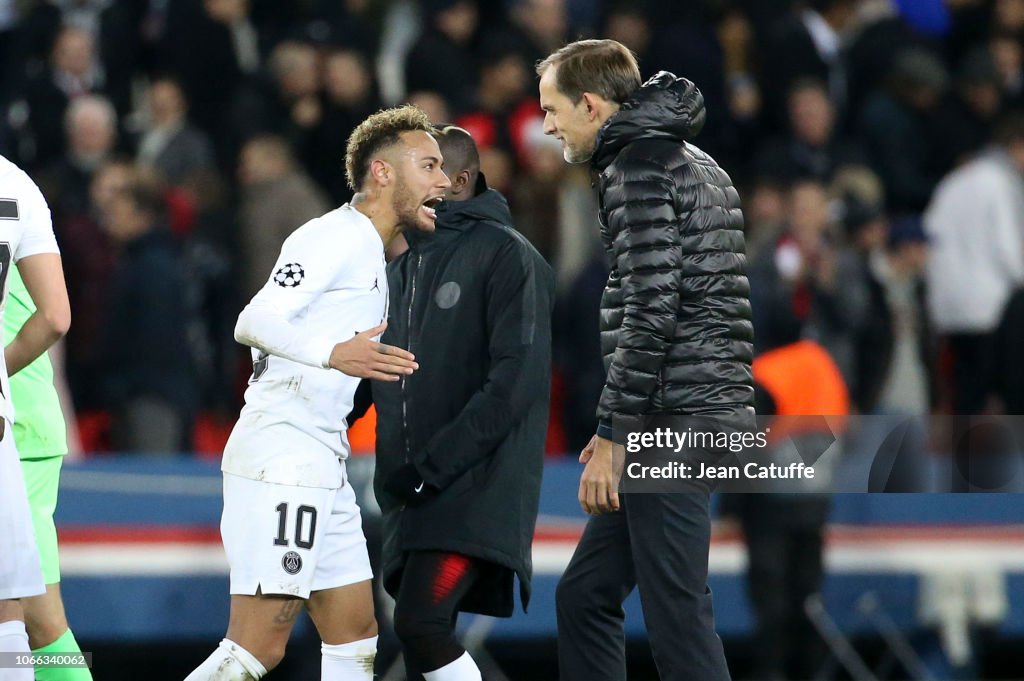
348 661
14 639
462 669
229 662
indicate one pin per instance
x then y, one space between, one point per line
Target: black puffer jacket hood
676 330
489 205
665 107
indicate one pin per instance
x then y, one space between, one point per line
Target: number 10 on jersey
305 526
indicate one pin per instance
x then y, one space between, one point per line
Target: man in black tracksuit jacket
460 443
676 337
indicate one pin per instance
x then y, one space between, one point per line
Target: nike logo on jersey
419 488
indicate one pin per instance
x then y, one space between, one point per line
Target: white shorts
20 572
285 539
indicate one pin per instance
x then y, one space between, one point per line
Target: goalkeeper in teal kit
41 438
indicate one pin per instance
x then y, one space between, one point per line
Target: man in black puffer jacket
460 443
677 339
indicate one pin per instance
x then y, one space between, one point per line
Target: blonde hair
378 132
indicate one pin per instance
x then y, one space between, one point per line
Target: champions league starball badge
290 275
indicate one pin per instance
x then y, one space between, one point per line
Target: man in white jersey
291 527
26 237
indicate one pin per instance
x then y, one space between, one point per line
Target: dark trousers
659 543
974 370
785 540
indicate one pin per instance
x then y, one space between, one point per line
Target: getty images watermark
820 454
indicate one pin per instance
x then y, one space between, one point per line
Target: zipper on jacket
405 397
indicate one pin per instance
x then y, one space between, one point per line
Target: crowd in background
874 143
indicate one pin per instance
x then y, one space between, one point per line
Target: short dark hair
458 148
378 132
606 68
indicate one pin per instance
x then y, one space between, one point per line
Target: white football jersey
328 284
25 229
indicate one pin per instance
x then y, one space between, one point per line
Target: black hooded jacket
473 302
676 330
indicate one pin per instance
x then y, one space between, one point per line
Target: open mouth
430 206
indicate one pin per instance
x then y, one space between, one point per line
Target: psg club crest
290 275
291 562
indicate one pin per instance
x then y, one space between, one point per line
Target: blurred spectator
442 60
808 285
170 145
976 262
350 97
861 182
91 131
692 39
877 35
148 376
353 23
505 109
127 40
83 14
813 147
89 259
537 194
808 42
764 215
577 351
1008 58
212 47
896 350
906 355
537 27
743 97
499 167
1008 15
215 217
865 225
963 123
971 22
277 197
551 201
72 72
893 128
629 23
234 15
433 104
896 355
28 45
287 104
211 293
